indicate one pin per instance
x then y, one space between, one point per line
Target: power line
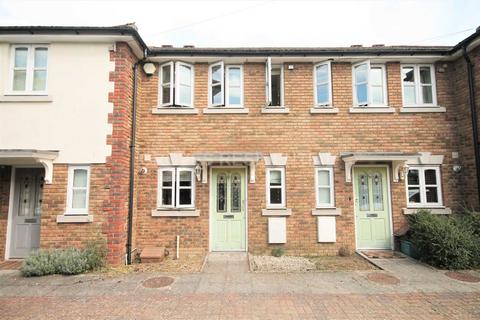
442 36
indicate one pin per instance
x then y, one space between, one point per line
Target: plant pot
407 248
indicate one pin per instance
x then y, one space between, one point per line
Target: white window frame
227 86
161 84
175 188
177 84
418 85
160 188
71 171
330 86
331 187
422 186
29 70
268 84
221 84
369 103
282 187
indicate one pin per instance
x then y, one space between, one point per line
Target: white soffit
28 157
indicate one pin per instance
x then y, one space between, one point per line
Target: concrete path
226 289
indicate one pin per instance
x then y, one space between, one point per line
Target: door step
152 254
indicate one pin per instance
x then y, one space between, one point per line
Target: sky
263 23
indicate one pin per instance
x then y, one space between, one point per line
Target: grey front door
27 208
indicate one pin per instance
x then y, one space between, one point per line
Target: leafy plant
38 263
278 252
445 242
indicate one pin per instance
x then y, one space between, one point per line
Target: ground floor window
424 187
324 188
176 188
276 187
78 189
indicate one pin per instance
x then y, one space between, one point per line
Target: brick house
227 149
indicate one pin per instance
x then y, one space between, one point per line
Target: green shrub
278 252
444 242
67 262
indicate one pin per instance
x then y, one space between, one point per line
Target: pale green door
228 209
372 211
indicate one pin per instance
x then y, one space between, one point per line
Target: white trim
389 194
11 199
177 102
227 86
160 187
354 83
175 213
222 84
25 98
275 159
331 187
422 186
174 110
29 69
318 110
161 84
417 85
277 212
74 218
268 81
226 110
191 188
371 109
282 187
384 87
69 209
269 103
330 86
327 212
438 210
275 109
175 171
416 109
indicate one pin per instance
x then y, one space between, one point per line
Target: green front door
372 212
228 209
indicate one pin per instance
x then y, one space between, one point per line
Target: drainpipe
473 111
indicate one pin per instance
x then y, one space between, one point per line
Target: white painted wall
75 122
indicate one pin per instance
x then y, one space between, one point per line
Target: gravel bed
281 264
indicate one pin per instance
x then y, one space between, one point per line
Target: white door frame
389 194
11 199
210 206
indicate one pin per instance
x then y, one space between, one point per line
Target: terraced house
228 149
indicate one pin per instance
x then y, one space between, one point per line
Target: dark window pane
413 178
185 178
276 90
221 193
185 196
167 197
425 75
165 94
432 194
430 176
276 196
217 94
414 195
408 74
167 178
166 74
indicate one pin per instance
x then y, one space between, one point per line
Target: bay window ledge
175 213
422 109
71 218
25 98
174 110
439 210
317 110
327 212
271 110
277 212
367 109
225 110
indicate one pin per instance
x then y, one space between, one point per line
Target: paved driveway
226 290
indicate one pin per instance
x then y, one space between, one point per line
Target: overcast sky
263 22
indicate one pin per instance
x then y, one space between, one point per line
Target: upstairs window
424 187
225 85
176 188
274 84
369 85
176 84
276 187
78 189
323 84
29 69
418 84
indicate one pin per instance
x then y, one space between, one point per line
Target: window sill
175 213
317 110
26 98
225 110
276 212
385 109
270 110
71 218
174 110
437 210
420 109
327 212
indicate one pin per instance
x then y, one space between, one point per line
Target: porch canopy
399 160
227 159
18 157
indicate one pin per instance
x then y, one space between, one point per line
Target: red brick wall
5 176
298 135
